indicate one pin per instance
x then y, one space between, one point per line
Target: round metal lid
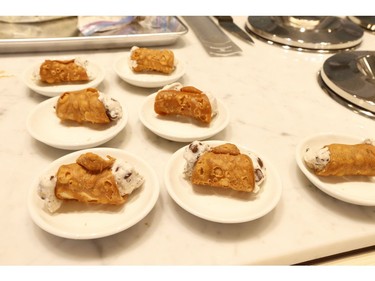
351 75
313 33
356 109
365 21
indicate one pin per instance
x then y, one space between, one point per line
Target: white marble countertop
274 100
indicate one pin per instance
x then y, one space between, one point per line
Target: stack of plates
350 79
307 33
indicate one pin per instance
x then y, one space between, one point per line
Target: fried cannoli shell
227 169
82 106
94 163
350 160
60 71
228 148
76 183
88 183
148 60
189 102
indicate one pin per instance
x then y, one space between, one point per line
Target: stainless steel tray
62 34
319 34
368 23
349 78
351 75
351 106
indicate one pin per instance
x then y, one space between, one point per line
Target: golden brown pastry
62 71
94 163
187 101
149 60
342 160
225 167
89 180
82 106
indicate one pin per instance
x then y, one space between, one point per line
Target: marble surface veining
274 100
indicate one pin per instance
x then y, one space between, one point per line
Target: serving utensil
228 24
213 39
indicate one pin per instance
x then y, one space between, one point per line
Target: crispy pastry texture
189 101
350 160
224 166
94 163
61 71
149 60
89 180
82 106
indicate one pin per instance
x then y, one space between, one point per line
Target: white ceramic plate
356 190
79 221
147 80
44 125
55 90
179 128
217 205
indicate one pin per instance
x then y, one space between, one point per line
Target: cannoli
88 105
342 160
149 60
186 101
91 179
223 166
62 71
